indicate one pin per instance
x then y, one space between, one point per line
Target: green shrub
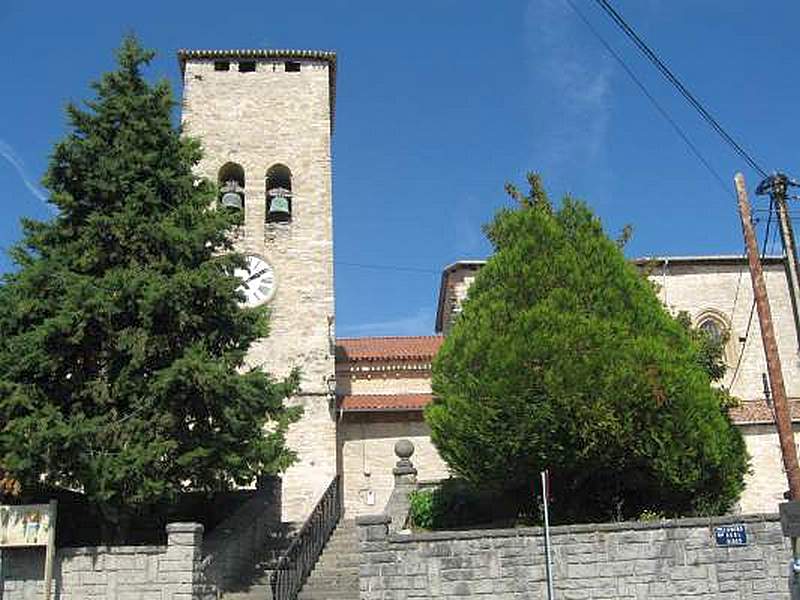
457 504
648 515
420 515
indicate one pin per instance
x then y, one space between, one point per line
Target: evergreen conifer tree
564 359
122 341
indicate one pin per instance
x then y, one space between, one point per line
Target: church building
266 120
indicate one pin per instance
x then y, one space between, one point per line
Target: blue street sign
730 535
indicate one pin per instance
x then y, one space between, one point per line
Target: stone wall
259 119
766 482
456 282
367 443
626 561
723 289
389 381
716 286
170 572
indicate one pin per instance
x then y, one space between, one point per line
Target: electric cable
661 110
753 305
650 54
386 267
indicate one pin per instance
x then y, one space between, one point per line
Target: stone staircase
256 584
335 576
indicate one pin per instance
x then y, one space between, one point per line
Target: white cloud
419 323
572 85
7 152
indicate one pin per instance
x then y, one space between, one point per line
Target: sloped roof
384 402
388 348
758 411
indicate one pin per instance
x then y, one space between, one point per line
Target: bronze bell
232 196
279 208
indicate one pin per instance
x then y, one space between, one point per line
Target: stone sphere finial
403 449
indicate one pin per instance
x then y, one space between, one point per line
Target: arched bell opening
231 187
279 194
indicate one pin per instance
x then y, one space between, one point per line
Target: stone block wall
724 289
170 572
367 454
766 483
625 561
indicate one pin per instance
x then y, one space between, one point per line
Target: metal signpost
548 563
28 526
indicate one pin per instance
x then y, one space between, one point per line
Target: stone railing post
373 528
405 482
180 569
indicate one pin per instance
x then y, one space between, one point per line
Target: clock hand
256 275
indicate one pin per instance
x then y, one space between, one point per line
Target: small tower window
231 187
279 194
247 66
222 65
291 66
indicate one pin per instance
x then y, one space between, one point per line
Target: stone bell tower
265 119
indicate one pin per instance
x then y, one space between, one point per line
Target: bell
279 209
232 195
232 200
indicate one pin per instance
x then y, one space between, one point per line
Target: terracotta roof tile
388 402
388 348
757 411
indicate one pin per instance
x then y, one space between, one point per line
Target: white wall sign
26 525
31 525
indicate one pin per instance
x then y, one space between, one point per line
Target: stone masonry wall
766 483
367 447
725 291
455 292
626 561
114 572
714 286
259 119
392 382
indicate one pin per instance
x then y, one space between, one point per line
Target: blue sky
439 103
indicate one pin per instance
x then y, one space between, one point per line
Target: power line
706 115
386 267
661 110
673 79
753 305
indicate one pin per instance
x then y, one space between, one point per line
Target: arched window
231 186
714 328
717 326
279 194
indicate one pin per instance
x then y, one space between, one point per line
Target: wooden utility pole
783 420
777 186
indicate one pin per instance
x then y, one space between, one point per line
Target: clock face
258 281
